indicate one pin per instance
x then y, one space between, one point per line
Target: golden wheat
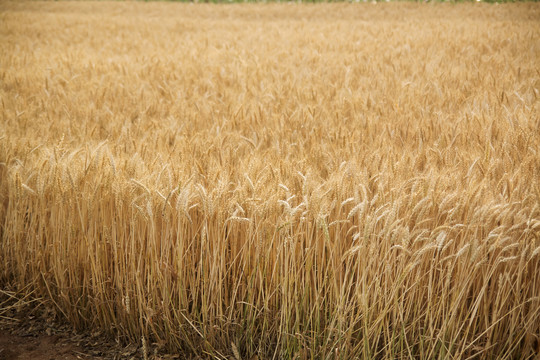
276 181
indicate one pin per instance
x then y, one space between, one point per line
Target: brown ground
19 344
37 337
62 345
66 346
40 347
33 331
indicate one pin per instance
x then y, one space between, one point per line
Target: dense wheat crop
276 181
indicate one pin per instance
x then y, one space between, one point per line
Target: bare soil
34 331
39 347
19 341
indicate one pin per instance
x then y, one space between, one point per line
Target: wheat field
276 181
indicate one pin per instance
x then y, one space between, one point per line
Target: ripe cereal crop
276 181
